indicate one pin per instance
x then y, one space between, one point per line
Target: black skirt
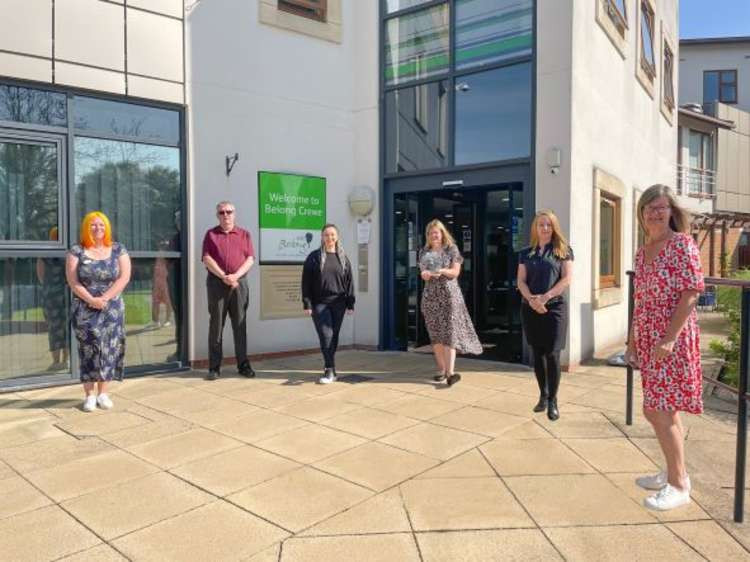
546 331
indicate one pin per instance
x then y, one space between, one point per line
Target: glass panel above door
490 31
396 5
416 45
29 191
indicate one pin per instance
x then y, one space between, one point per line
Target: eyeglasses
655 210
225 212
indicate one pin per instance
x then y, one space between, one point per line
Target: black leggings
328 319
547 371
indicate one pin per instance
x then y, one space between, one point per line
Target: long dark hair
339 248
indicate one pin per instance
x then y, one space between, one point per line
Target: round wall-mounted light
362 200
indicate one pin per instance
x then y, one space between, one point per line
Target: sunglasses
225 212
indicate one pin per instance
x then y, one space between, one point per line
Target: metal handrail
695 182
740 462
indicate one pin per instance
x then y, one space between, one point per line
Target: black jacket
312 283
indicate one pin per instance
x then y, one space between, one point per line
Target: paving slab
533 456
182 448
18 496
710 540
217 531
90 426
466 503
434 441
471 464
52 452
372 548
121 509
612 455
260 425
486 546
235 469
101 553
621 543
370 423
44 534
420 407
318 409
479 420
461 392
310 443
376 466
17 433
581 425
300 498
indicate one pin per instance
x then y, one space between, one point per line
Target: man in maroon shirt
228 255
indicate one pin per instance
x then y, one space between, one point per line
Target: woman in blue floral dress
98 270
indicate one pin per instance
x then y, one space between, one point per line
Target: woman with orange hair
98 270
545 270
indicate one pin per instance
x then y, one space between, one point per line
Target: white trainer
105 403
657 481
89 405
667 498
328 377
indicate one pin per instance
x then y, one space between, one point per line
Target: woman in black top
545 270
327 293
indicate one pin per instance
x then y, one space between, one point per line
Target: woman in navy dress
98 270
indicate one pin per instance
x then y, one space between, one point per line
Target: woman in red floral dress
664 341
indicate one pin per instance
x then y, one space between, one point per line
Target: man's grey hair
221 204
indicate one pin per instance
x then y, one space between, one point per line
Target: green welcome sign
292 211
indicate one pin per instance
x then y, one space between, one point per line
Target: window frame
647 16
316 10
607 290
619 19
720 73
668 76
610 280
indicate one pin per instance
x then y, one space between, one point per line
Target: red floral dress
675 383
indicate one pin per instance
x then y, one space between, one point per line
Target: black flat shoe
453 379
541 405
552 412
439 378
212 375
247 371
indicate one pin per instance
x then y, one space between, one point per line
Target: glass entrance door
487 225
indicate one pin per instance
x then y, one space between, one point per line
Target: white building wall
289 102
695 58
591 106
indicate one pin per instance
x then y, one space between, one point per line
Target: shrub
729 300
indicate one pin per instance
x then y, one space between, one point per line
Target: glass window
29 190
396 5
416 127
313 9
607 242
493 115
647 39
710 86
24 105
488 31
720 85
136 185
416 45
34 305
668 77
107 117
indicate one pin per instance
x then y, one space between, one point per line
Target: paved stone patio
393 468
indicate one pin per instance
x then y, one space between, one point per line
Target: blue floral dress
100 333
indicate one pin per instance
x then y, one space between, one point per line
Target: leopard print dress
443 307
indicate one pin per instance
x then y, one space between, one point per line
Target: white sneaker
89 405
166 324
657 481
328 377
667 498
104 402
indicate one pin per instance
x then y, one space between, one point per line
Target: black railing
740 391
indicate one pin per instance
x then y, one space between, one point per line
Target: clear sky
714 18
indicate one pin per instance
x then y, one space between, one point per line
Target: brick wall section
711 261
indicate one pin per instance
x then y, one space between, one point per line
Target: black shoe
552 412
542 404
246 371
453 379
439 378
212 375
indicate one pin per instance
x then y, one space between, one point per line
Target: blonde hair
679 220
560 245
87 240
339 247
448 240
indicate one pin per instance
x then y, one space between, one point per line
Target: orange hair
87 241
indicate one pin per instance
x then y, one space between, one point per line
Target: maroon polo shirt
228 249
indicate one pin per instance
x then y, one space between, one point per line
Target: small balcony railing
695 182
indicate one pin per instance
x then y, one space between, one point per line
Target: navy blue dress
100 333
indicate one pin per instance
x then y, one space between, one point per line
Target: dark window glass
647 39
606 242
710 86
396 5
25 105
728 94
136 185
313 9
416 127
488 31
152 312
107 117
34 304
620 5
493 115
29 191
668 77
416 45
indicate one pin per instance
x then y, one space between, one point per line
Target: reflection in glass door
34 335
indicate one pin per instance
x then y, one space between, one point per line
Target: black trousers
328 319
547 371
223 300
